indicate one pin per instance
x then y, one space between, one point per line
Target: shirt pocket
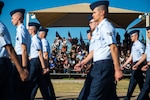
97 36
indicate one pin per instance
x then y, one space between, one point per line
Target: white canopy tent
76 15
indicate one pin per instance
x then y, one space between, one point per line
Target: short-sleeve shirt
4 40
45 46
36 45
91 44
103 36
137 50
147 51
22 37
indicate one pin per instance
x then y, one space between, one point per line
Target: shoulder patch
110 33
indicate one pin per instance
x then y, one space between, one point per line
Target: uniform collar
43 39
100 24
34 36
136 41
19 26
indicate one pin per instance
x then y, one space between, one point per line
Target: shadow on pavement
71 97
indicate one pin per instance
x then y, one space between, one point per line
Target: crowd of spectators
64 57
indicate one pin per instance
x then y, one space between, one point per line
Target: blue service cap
148 28
17 10
98 3
134 31
90 17
37 25
43 29
88 31
1 6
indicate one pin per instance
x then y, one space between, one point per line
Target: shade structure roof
76 15
141 24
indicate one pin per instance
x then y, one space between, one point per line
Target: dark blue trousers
5 82
49 86
20 88
144 94
86 88
137 77
101 84
36 80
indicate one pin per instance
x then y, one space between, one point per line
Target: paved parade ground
68 89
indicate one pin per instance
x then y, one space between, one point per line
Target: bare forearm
128 61
89 57
115 56
45 55
24 58
41 59
24 55
46 59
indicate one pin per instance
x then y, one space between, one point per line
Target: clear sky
30 5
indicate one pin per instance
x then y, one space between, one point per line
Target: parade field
69 88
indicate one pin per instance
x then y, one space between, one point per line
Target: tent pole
27 19
148 19
147 24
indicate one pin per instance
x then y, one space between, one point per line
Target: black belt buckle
100 61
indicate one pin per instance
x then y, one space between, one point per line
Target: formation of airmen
30 56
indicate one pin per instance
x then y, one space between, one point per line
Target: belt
101 61
21 56
34 58
3 58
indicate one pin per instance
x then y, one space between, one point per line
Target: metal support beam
27 19
147 24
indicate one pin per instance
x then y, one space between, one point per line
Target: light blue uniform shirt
45 46
137 50
4 40
22 37
147 51
91 43
36 45
103 36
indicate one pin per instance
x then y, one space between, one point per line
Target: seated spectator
122 58
66 64
64 46
59 67
53 56
52 65
64 42
73 49
72 61
79 55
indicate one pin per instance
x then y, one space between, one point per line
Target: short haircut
103 7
